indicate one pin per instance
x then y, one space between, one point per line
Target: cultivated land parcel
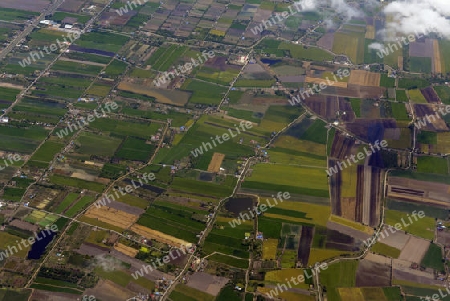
192 201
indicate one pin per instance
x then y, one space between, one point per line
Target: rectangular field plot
173 220
93 144
313 181
22 140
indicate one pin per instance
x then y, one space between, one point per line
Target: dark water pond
270 62
39 246
238 204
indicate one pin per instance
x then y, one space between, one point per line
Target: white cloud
417 16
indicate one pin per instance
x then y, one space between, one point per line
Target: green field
386 250
66 202
412 83
19 139
444 46
102 41
75 182
303 53
81 204
401 96
204 93
444 93
47 151
97 145
135 149
9 14
356 106
173 220
433 258
286 178
420 64
341 274
416 96
432 165
350 44
423 227
134 128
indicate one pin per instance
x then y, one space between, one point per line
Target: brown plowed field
430 95
359 193
370 274
335 187
364 78
34 6
304 247
341 146
375 196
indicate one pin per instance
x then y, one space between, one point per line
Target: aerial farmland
213 150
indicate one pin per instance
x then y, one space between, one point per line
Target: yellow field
177 138
288 296
112 216
270 125
43 204
351 294
400 62
301 145
176 97
364 78
370 32
437 62
159 236
270 249
216 162
318 255
129 251
443 142
351 224
349 181
280 276
351 45
8 240
216 32
316 214
416 96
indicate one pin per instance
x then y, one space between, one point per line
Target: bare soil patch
414 250
27 5
394 238
173 97
347 230
372 273
108 290
207 283
52 296
364 78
